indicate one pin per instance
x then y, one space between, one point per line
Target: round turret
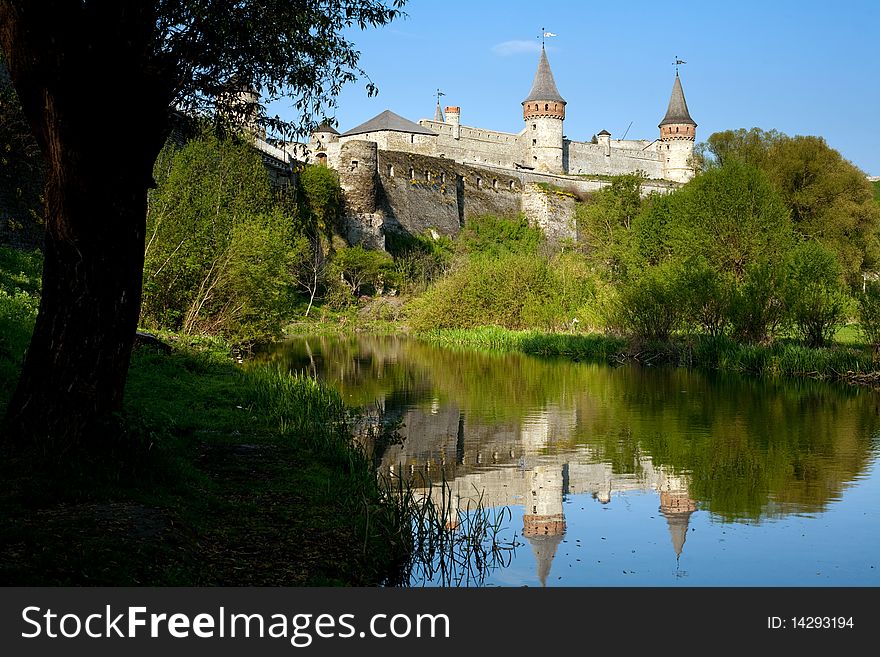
358 171
544 112
678 131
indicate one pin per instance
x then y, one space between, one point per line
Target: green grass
217 474
20 273
231 477
849 361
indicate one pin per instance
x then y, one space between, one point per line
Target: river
626 475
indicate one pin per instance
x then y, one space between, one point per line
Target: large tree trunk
74 374
100 120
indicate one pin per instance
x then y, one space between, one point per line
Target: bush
363 270
510 290
757 309
418 261
709 295
492 235
218 254
652 306
814 293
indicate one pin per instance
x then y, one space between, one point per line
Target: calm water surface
618 476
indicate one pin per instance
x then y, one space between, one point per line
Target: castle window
354 165
546 107
676 128
494 183
512 185
534 126
534 142
390 170
479 182
442 177
427 176
412 139
412 173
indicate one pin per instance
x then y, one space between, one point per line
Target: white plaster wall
675 155
543 141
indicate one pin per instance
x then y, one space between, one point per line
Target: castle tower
544 112
678 131
544 518
453 118
677 507
358 170
320 140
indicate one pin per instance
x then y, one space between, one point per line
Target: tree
361 268
218 245
750 146
320 212
730 216
604 222
816 299
81 70
830 199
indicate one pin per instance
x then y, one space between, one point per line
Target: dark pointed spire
438 114
677 112
544 86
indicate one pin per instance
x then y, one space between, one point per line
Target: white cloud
507 48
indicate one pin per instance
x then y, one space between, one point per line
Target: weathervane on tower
677 63
545 35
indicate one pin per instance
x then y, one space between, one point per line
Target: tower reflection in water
540 485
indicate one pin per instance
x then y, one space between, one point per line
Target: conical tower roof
677 112
438 114
326 127
544 86
544 548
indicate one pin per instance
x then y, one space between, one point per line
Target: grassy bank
217 475
848 362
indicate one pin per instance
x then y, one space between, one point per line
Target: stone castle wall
407 192
420 193
589 158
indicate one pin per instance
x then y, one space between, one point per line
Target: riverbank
228 478
217 475
851 363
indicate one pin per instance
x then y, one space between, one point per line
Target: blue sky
800 67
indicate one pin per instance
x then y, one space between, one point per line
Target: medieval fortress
431 176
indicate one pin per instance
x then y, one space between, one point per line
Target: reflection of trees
750 447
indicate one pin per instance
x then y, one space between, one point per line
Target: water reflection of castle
514 465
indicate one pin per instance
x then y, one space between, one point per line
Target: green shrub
363 270
815 294
218 254
20 273
510 290
652 306
708 297
492 235
757 310
418 261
